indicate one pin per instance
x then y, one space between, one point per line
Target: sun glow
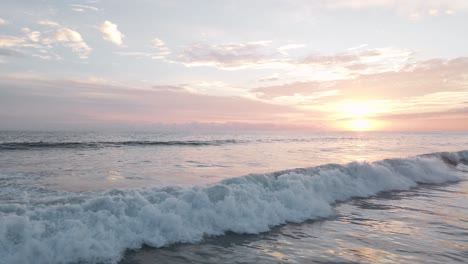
361 125
360 109
361 115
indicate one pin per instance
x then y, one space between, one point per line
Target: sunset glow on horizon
313 65
361 125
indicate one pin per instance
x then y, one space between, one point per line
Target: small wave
40 145
116 144
97 227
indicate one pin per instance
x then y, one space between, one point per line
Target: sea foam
97 227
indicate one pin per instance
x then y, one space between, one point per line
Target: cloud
456 112
413 79
284 49
37 101
430 86
134 53
345 65
3 21
290 89
157 43
413 9
424 95
83 8
218 88
160 46
161 51
10 53
416 78
298 99
48 23
111 32
33 36
36 44
140 54
73 40
271 78
47 56
10 41
364 61
230 55
262 55
433 111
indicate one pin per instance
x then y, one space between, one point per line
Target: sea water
233 197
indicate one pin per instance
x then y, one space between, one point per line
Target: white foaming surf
93 227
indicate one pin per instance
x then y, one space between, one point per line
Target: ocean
233 197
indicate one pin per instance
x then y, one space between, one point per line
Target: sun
361 115
361 125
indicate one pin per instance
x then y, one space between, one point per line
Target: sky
391 65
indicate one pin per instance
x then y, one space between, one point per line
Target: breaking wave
97 227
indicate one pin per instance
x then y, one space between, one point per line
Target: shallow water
177 193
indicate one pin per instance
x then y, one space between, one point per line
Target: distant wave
39 145
97 227
115 144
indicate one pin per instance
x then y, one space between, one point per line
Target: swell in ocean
97 227
42 145
115 144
